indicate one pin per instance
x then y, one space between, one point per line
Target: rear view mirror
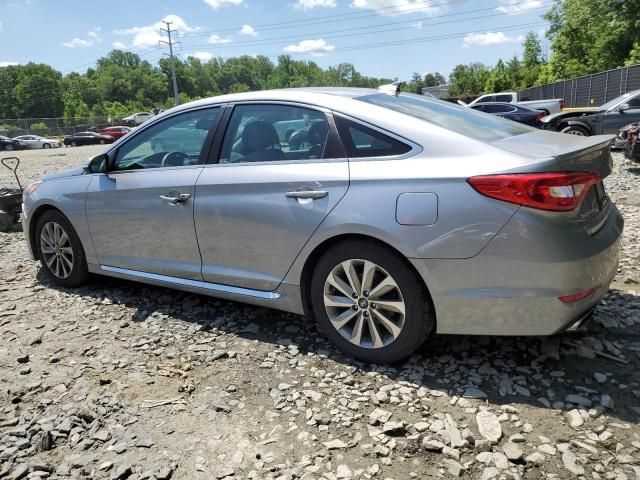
98 164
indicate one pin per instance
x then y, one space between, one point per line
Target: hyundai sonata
393 215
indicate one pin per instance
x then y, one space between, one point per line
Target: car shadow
504 369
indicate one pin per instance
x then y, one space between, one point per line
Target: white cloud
398 7
310 4
515 7
316 48
119 45
149 35
203 56
489 38
93 38
215 4
7 64
216 39
248 30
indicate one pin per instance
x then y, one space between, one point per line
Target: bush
38 126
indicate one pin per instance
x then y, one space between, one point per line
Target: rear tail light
540 117
561 104
555 192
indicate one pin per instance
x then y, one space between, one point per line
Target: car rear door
259 204
140 213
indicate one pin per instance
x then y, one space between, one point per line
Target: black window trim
416 149
333 139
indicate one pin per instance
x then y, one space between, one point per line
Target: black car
512 112
87 138
9 144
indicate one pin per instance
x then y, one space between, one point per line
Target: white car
138 118
547 106
36 141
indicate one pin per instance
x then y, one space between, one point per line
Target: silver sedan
36 141
390 217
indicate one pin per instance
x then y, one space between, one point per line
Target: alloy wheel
364 303
56 249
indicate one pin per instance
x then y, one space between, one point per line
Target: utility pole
173 61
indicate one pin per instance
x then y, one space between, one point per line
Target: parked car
9 144
511 112
547 106
605 119
36 141
87 138
115 132
402 216
137 118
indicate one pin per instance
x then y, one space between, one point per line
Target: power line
173 62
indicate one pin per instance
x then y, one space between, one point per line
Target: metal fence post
606 88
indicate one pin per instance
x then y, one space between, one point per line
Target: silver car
36 141
398 215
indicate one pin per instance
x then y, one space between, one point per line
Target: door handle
174 198
307 194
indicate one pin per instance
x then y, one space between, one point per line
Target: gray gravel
124 381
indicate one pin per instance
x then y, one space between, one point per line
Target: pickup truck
546 106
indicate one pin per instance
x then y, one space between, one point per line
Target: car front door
614 120
140 213
269 191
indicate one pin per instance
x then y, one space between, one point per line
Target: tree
532 51
434 80
37 92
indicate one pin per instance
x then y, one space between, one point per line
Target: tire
74 144
102 141
575 130
8 148
411 329
71 272
46 145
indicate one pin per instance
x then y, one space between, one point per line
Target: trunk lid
550 151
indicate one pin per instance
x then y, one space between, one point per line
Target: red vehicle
115 132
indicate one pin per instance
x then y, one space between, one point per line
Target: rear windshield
459 119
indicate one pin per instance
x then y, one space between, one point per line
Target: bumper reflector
581 295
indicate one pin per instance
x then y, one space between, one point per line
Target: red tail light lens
540 117
581 295
561 104
555 192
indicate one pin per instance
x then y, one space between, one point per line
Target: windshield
456 118
616 101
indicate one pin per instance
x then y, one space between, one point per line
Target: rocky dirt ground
124 381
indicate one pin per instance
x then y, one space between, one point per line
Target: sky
382 38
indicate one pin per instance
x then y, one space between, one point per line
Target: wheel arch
574 123
319 250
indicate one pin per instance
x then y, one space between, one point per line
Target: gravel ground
120 380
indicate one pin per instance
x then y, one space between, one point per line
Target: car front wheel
369 303
575 130
46 145
60 250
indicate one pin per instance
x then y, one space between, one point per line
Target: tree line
586 36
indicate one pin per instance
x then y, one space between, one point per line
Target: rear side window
360 141
503 98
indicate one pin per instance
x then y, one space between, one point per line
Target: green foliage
38 126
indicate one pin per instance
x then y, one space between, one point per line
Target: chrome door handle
304 194
174 198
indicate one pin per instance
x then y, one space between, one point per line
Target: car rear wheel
102 141
8 148
575 130
60 250
46 145
74 144
369 303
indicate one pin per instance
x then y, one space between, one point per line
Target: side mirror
623 107
98 164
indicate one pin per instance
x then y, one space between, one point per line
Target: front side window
176 141
271 133
456 118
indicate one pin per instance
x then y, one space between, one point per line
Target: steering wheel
174 159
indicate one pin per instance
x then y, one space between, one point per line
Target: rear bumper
512 286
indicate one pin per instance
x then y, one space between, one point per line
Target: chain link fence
590 90
53 127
